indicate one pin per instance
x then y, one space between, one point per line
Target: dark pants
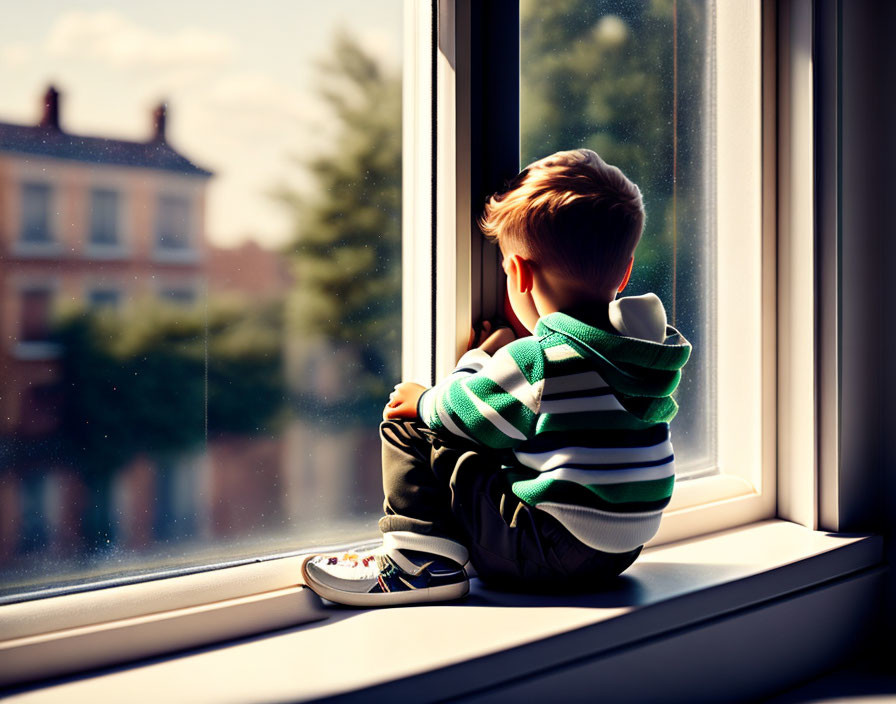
459 492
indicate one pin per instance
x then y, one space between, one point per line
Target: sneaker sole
447 592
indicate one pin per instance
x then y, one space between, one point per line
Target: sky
239 80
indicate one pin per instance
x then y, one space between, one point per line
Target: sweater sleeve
489 400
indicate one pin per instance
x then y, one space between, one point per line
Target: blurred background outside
200 259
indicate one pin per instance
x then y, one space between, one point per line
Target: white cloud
15 54
113 39
251 101
257 91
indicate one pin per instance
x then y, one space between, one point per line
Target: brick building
86 219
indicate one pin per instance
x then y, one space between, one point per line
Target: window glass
104 297
633 82
173 230
35 315
186 411
104 217
36 227
185 296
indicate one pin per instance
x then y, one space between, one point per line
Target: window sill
110 252
685 613
184 255
50 249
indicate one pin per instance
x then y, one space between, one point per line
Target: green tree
346 245
157 379
599 74
135 381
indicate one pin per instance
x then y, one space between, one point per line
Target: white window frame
418 191
248 598
744 490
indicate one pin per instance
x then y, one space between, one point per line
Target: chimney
159 118
50 116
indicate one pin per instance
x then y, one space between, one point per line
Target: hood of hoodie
641 361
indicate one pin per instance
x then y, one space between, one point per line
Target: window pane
633 82
172 411
173 228
35 315
36 213
104 217
104 297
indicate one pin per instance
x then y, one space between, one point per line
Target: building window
181 295
35 315
104 297
173 224
34 327
104 218
36 213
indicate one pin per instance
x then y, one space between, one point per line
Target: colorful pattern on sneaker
382 578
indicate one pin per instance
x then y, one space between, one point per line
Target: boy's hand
491 337
403 401
497 339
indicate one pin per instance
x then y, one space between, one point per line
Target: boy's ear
628 275
520 273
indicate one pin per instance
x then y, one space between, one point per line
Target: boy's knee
393 425
402 432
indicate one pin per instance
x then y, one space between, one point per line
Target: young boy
543 461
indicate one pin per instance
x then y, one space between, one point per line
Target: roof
44 141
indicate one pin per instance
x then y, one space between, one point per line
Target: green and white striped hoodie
585 415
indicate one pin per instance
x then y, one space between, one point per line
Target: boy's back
585 413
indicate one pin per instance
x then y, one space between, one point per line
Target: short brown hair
570 212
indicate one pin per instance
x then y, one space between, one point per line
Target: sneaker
385 578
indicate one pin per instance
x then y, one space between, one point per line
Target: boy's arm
405 397
491 400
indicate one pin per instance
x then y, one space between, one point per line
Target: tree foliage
135 381
599 74
346 244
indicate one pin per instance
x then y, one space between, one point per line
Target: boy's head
571 214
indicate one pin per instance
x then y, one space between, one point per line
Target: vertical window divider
769 410
797 421
420 180
827 156
476 150
453 252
